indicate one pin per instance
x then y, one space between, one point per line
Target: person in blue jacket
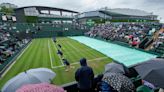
84 76
67 64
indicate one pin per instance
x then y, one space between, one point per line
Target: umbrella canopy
43 74
32 76
43 87
116 67
119 82
152 71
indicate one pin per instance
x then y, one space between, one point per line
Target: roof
127 11
46 7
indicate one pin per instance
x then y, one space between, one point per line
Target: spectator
9 45
84 76
124 32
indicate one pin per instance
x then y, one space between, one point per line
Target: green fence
72 32
47 30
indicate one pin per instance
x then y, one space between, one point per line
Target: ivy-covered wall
31 19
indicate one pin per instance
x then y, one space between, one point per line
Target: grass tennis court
43 53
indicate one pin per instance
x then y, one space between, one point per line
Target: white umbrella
43 74
32 76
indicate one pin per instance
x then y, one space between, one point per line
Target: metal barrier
133 75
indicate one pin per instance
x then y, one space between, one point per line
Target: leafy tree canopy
6 10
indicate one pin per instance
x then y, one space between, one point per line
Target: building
42 14
8 5
116 15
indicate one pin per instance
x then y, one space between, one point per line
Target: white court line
101 58
50 53
87 50
57 54
15 60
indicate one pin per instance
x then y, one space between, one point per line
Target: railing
133 75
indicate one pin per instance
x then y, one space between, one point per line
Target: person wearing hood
84 76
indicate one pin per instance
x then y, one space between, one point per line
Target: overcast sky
155 6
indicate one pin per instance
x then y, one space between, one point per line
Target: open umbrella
152 71
116 67
119 82
32 76
43 87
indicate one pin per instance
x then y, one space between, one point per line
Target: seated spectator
127 32
9 45
1 60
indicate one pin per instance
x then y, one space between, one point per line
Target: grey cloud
154 1
155 6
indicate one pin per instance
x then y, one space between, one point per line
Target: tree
7 10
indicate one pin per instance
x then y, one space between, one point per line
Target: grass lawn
43 53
